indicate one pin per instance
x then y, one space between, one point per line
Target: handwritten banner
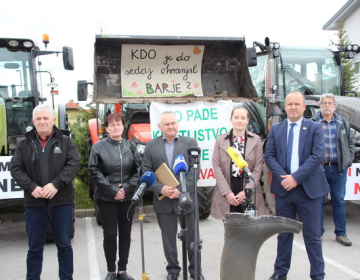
161 71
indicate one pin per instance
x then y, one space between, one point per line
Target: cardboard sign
161 71
166 177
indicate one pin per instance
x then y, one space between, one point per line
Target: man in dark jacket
339 155
44 165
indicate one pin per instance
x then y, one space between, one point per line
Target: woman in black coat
114 167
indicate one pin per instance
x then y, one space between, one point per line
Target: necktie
289 148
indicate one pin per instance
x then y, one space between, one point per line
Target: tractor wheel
204 198
267 185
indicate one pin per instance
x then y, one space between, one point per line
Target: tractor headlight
13 43
28 44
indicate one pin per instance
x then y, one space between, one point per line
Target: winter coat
57 163
222 168
112 163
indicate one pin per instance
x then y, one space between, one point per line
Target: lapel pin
304 128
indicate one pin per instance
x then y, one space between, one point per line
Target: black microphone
194 153
146 181
181 168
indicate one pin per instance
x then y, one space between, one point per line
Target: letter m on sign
4 167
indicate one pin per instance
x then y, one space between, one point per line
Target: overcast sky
75 24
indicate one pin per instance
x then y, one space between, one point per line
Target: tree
350 79
80 137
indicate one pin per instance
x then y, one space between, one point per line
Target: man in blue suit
294 153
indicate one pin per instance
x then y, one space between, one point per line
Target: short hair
242 108
166 113
43 107
295 91
114 117
327 95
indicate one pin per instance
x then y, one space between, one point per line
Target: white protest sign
9 189
200 120
353 182
161 71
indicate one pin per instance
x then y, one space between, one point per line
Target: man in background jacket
44 165
339 155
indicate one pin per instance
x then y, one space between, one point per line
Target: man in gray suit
165 149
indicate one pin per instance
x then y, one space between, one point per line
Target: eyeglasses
327 103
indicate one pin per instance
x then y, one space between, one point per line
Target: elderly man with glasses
339 155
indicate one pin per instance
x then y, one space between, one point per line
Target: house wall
352 27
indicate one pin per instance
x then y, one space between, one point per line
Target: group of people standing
45 165
115 167
308 159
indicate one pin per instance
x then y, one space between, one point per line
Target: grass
82 198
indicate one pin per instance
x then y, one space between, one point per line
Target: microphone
180 165
146 181
194 152
181 168
239 161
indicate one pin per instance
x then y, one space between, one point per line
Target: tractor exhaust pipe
244 235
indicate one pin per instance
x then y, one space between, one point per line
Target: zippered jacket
112 163
345 142
57 163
